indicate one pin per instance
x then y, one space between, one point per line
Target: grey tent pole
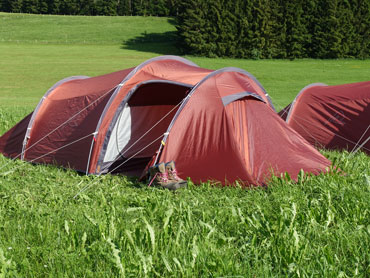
91 147
360 138
360 146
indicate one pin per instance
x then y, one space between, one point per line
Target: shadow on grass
160 43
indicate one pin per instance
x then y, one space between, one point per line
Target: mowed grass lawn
317 227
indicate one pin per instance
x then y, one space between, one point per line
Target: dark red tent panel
332 117
215 125
229 133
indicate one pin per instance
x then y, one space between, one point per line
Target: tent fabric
218 125
11 141
244 140
332 117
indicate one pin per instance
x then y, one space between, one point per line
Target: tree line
92 7
254 29
275 28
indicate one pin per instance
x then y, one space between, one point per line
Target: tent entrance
141 124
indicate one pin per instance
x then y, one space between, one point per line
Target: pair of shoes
165 175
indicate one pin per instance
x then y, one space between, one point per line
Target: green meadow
316 227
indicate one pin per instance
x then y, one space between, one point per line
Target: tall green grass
316 227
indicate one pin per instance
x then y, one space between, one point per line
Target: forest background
254 29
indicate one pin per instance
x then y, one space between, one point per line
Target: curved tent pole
299 95
34 114
360 146
121 107
227 69
354 150
259 84
124 81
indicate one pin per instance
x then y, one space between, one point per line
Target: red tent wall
11 141
333 117
68 114
169 68
223 135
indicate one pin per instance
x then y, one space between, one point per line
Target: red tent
216 125
332 117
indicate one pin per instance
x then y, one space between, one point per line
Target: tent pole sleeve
91 147
30 124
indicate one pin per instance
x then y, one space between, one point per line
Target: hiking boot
159 177
172 174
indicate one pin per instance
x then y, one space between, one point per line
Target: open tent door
140 124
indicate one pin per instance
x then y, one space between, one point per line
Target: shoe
159 177
172 174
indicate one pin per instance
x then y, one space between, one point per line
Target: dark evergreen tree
87 7
191 25
262 27
294 32
106 7
173 6
240 28
43 7
140 7
160 8
55 6
361 22
309 20
30 6
16 6
345 28
326 38
125 7
69 7
5 6
244 13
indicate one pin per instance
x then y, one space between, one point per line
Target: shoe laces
173 173
163 177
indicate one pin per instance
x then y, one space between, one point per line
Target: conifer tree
30 6
56 7
228 41
42 7
173 6
191 26
5 6
361 22
106 7
124 7
16 6
262 27
345 28
309 20
87 7
245 34
294 29
69 7
159 8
